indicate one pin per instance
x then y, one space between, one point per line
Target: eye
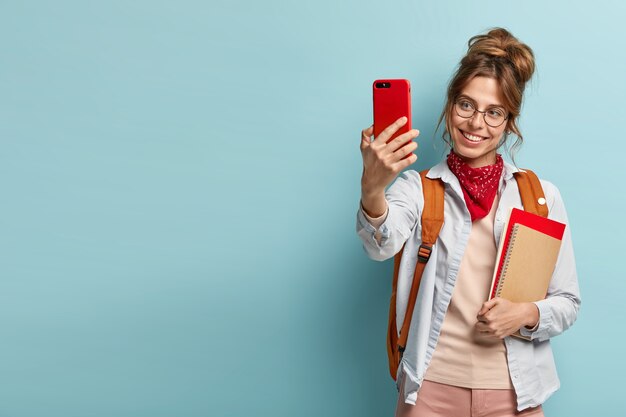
465 105
495 113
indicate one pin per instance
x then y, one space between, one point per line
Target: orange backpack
533 200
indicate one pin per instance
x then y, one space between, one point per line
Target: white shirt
531 364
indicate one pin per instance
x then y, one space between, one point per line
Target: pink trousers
442 400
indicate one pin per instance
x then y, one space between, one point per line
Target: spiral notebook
529 249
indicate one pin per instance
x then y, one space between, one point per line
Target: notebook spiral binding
505 265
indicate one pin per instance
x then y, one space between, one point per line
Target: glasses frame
456 102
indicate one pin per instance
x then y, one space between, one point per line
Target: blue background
179 184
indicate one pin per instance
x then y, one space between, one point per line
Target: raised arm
395 210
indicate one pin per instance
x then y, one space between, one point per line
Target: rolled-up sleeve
404 201
558 311
376 221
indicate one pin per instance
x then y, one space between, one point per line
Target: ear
509 126
503 139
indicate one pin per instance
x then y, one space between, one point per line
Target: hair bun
500 43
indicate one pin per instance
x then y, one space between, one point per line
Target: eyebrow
471 99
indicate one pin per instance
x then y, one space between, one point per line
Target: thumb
488 305
366 135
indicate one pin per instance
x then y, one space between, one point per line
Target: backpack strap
533 198
432 221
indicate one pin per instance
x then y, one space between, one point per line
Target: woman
460 359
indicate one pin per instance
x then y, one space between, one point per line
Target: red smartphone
392 100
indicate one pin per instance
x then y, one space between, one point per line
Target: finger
366 137
488 305
404 151
482 328
367 133
401 140
486 330
390 130
484 319
403 163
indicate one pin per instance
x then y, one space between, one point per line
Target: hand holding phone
391 150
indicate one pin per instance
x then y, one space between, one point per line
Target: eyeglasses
494 116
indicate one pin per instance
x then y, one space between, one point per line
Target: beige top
462 356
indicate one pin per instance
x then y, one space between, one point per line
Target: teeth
472 137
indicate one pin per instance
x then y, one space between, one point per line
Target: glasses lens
494 117
464 108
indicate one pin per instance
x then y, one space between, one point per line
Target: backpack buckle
423 254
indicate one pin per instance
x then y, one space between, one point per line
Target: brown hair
498 55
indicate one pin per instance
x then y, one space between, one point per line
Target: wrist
368 190
373 200
531 316
372 196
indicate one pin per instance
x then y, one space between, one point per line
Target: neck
486 160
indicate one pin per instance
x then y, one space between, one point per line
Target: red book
525 239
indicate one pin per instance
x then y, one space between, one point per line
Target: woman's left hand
499 317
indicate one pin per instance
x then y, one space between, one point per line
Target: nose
476 121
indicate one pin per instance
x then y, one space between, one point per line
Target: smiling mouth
472 138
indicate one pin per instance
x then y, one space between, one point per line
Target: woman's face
473 139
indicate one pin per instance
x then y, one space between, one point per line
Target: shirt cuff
534 328
376 221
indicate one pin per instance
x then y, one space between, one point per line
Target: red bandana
479 185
